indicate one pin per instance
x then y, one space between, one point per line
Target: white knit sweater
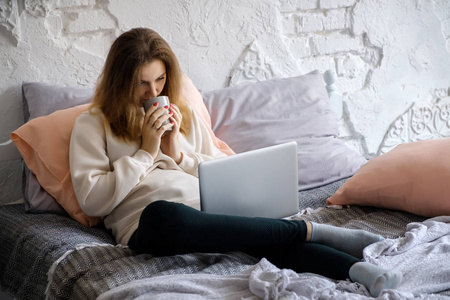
116 180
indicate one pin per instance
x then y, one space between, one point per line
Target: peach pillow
414 177
44 145
196 100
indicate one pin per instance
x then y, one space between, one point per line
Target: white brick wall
294 5
446 28
323 20
304 22
73 3
327 4
299 46
340 43
373 45
88 21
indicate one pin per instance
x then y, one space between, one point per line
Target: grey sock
375 278
351 241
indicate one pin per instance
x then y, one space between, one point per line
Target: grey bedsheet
30 244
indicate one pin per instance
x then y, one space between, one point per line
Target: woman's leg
167 228
351 241
309 257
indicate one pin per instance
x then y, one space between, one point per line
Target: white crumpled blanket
423 256
261 281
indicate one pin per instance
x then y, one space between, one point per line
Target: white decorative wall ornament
10 10
198 35
442 11
208 19
425 122
36 8
5 10
9 18
253 66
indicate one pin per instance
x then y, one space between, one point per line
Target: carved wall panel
252 66
421 122
8 17
36 8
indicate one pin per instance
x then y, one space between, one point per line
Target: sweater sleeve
99 185
203 145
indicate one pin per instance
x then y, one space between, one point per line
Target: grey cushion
280 110
41 99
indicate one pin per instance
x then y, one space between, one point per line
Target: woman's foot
388 280
375 278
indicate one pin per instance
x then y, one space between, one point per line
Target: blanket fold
261 281
423 256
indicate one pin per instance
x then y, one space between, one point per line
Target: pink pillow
196 100
413 177
44 145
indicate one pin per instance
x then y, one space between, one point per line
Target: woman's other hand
153 128
169 142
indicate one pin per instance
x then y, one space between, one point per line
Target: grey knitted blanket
29 244
91 270
84 263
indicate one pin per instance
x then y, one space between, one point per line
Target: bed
50 250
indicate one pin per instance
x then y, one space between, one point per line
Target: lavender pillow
280 110
36 199
41 99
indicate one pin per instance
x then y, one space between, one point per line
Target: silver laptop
257 183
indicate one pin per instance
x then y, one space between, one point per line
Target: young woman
142 183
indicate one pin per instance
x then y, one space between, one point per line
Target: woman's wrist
179 158
150 150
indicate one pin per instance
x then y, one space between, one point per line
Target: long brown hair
117 92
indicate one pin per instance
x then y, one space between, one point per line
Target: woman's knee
158 206
165 214
160 210
165 227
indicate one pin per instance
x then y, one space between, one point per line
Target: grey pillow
41 99
36 199
280 110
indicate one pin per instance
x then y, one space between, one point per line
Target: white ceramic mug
162 101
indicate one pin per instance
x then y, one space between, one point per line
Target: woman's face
153 79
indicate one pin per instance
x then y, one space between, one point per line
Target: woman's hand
153 128
169 142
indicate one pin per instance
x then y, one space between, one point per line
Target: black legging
167 228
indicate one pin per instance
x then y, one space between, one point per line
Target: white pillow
281 110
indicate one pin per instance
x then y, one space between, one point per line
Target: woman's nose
152 92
